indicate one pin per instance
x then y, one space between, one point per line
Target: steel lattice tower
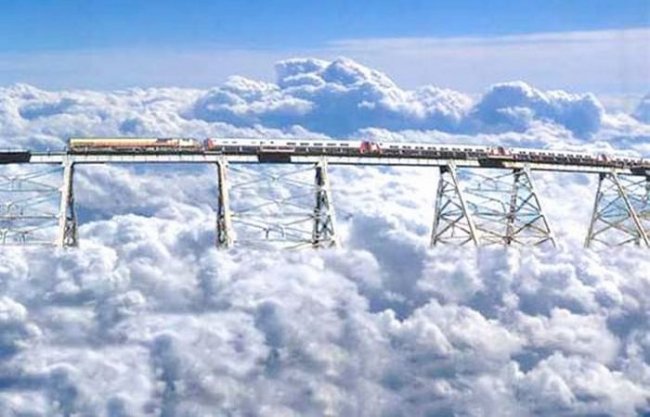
324 233
303 217
68 234
28 207
499 209
507 209
452 223
621 211
225 234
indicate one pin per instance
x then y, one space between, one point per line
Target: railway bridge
494 201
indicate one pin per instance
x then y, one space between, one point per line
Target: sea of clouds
146 318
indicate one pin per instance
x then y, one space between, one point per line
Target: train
365 148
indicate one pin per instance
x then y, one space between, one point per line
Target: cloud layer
147 319
311 97
340 97
139 330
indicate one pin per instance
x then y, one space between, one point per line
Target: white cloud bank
310 97
146 319
139 330
340 97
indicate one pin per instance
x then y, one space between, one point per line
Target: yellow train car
85 145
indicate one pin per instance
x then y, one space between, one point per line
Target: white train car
227 145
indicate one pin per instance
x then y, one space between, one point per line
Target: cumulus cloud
15 328
342 96
336 98
514 106
301 334
147 319
310 97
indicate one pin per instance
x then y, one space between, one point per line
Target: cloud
559 382
642 112
231 340
335 98
340 97
514 106
15 327
310 97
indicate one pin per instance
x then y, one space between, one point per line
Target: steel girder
621 213
290 211
452 222
324 230
225 233
499 209
507 209
28 206
68 234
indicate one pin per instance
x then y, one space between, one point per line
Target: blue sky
73 24
116 44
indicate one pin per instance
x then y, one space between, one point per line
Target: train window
331 144
304 144
291 143
393 147
318 144
345 145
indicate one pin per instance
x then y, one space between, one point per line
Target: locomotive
86 145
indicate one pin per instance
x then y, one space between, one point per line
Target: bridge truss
621 213
291 209
501 209
477 203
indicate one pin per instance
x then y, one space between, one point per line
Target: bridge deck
339 158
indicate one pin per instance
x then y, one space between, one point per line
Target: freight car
88 145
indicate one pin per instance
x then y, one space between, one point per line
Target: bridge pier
68 233
526 222
277 207
500 209
324 230
621 211
225 235
452 221
28 206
